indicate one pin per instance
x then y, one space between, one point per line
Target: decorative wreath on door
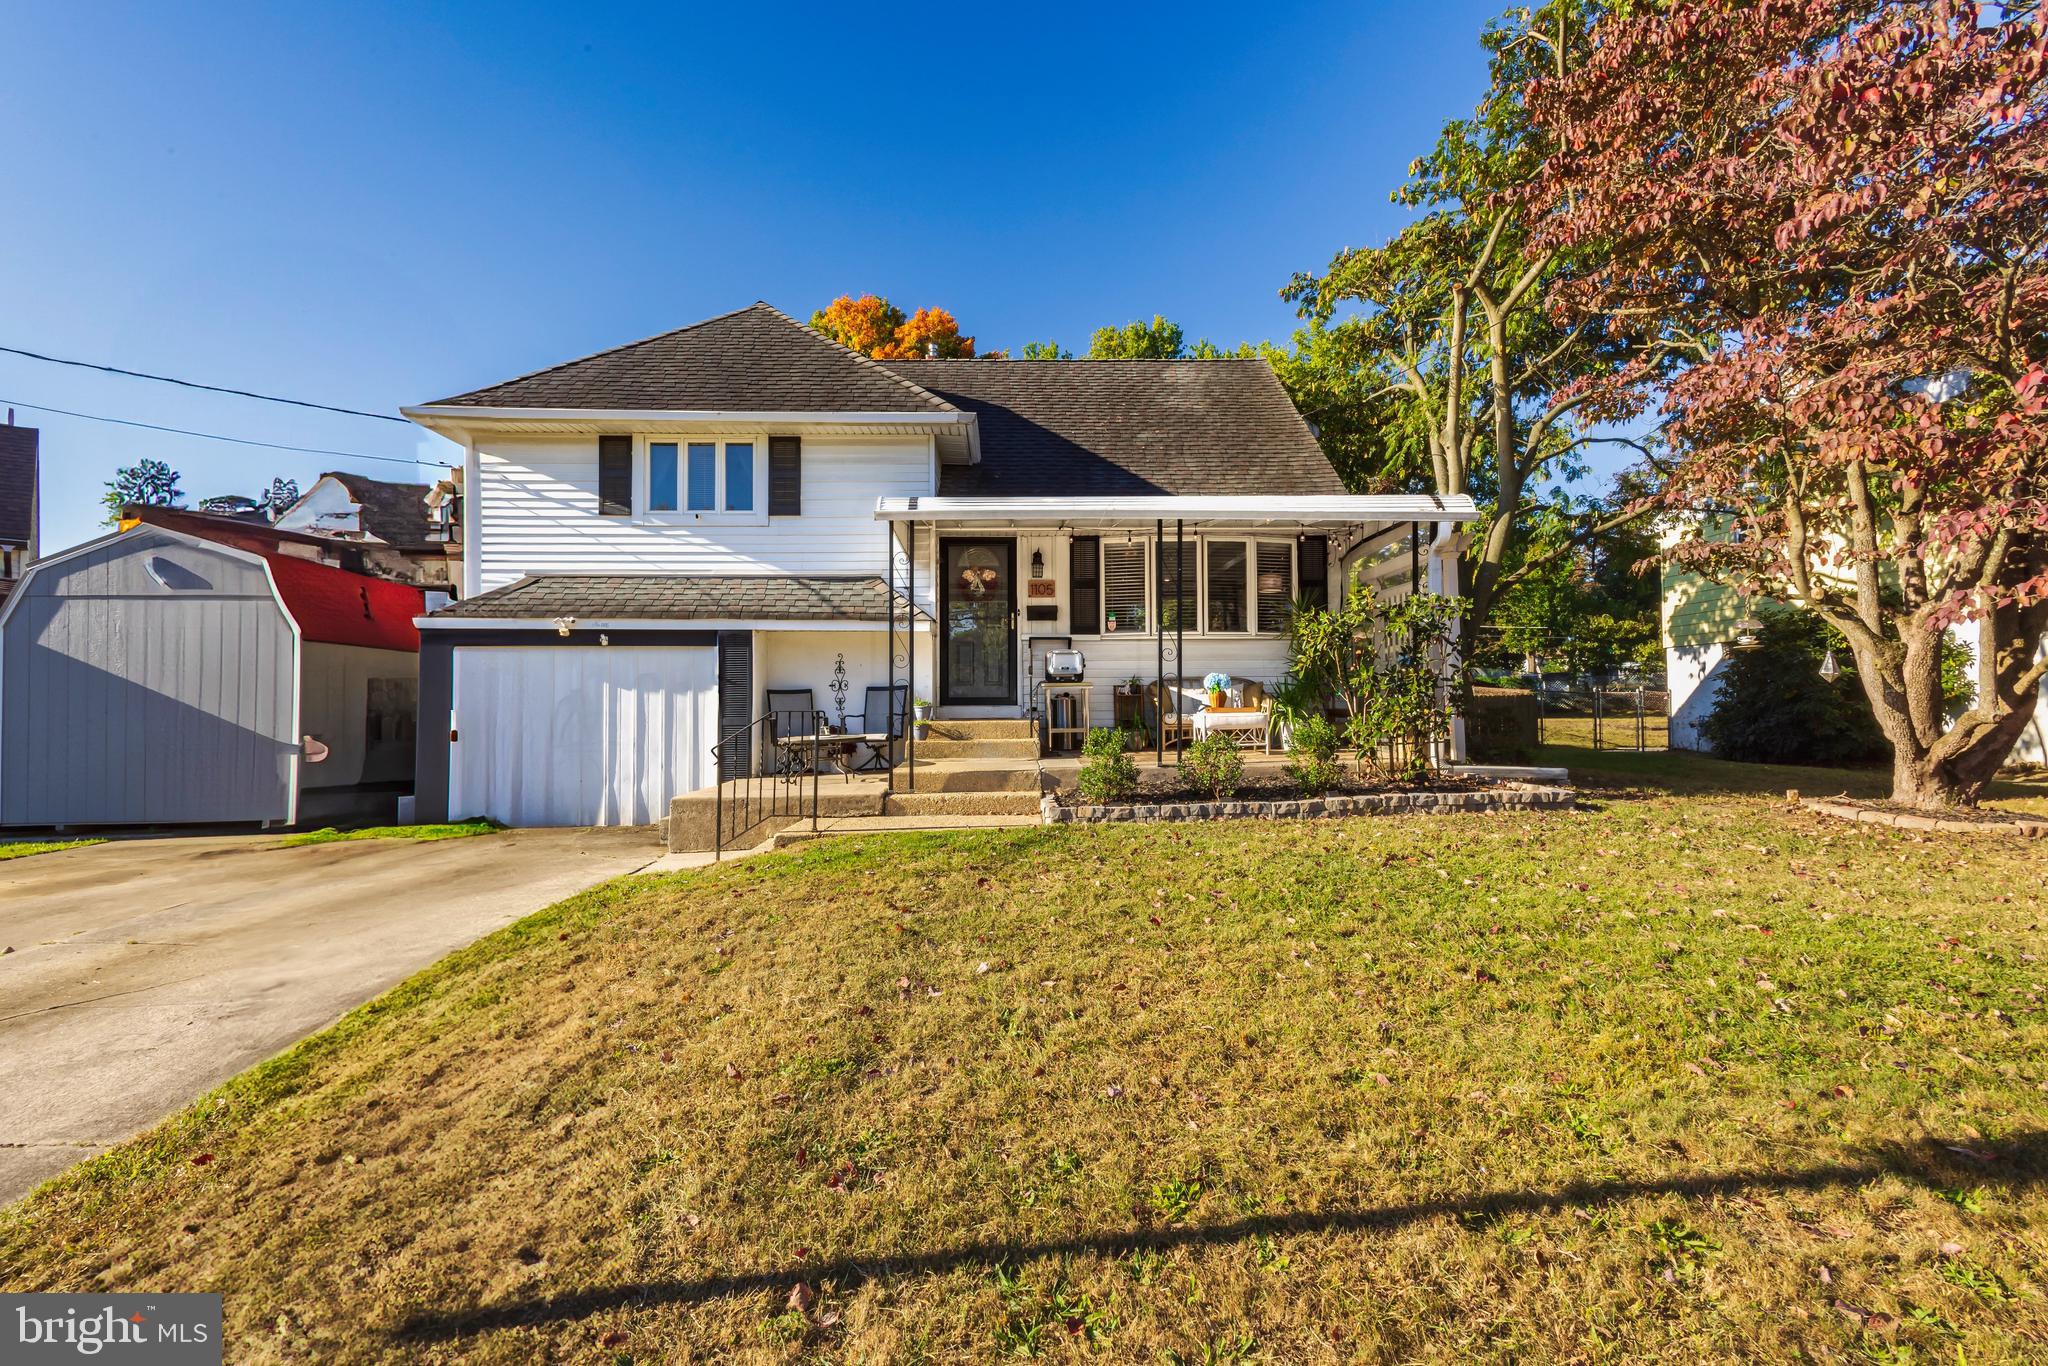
978 573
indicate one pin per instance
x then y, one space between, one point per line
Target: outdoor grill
1063 666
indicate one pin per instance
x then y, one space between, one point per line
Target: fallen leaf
732 1071
615 1338
201 1159
1844 1092
801 1297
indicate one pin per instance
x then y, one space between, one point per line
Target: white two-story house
656 536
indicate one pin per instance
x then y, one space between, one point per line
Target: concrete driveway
142 972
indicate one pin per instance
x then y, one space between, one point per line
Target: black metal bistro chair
885 716
792 715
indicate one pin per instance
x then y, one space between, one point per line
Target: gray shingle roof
17 484
758 359
394 513
1133 427
666 597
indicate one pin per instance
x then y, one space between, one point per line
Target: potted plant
1216 684
921 718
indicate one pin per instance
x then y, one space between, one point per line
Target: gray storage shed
154 678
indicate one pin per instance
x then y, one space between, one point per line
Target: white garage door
578 735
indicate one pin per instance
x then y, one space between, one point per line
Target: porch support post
910 635
1180 616
1159 647
889 589
1415 557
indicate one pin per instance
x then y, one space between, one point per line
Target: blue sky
373 205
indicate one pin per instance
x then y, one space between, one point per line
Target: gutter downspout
472 518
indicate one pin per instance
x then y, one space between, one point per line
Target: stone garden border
1506 797
2022 827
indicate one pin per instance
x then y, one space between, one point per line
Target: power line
193 384
211 436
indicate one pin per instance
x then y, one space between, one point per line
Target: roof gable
1129 428
757 359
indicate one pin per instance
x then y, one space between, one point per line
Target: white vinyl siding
539 513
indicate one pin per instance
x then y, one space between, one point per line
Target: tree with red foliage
1827 220
875 327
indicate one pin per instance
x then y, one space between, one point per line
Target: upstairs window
739 476
703 476
700 476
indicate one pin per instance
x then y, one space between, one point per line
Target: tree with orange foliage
875 327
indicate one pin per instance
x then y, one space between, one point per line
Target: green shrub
1215 765
1313 760
1775 708
1109 773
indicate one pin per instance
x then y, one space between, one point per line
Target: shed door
580 735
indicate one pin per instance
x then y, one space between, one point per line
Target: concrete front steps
1005 739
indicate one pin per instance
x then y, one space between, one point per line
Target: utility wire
210 436
193 384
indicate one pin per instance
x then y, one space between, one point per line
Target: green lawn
1681 1076
455 831
23 848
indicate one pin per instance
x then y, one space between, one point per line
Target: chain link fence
1616 716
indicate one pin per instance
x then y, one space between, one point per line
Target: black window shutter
735 701
615 476
1084 586
785 476
1314 573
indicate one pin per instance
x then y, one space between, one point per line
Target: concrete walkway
139 974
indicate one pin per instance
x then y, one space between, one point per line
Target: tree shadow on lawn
1933 1162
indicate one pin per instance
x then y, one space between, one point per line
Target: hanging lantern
1829 669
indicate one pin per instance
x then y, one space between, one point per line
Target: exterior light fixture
1829 669
1038 564
564 625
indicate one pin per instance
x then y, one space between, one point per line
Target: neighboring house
403 536
656 535
155 677
20 515
1700 627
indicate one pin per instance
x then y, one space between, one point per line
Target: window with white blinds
1276 584
1123 587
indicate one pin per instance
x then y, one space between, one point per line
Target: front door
978 603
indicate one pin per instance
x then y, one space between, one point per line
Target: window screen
661 476
1276 584
1123 587
703 476
739 476
1227 579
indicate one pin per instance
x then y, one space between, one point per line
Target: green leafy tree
1045 350
1474 386
1156 340
147 483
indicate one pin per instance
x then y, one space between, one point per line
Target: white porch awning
1351 509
